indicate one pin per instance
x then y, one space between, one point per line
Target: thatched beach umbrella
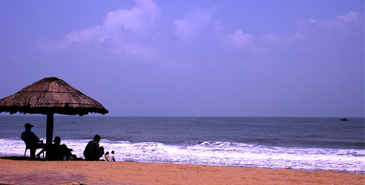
50 96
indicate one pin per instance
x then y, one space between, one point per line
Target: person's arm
35 137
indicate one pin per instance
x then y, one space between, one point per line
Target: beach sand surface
19 171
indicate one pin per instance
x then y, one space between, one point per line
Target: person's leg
39 153
43 146
32 153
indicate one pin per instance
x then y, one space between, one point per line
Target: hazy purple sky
192 58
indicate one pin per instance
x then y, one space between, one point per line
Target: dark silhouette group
56 151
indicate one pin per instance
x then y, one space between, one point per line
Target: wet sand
19 171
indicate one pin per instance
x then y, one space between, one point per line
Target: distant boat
344 119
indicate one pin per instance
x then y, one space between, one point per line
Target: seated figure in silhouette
57 151
32 141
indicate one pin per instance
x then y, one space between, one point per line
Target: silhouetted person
32 141
57 151
92 150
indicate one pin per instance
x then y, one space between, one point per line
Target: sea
316 144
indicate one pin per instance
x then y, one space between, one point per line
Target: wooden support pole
49 131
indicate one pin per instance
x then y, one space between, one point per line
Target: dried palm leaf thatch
51 95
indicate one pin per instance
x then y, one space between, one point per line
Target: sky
251 58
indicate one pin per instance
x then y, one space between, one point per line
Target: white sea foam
221 154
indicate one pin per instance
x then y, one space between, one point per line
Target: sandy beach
16 171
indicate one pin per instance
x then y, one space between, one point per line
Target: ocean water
298 143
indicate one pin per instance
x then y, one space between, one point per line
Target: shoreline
13 170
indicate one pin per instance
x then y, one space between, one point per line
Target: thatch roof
51 95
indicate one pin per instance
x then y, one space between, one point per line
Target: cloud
335 29
324 38
193 22
236 39
134 21
352 20
241 39
300 35
119 23
96 34
312 20
352 17
118 29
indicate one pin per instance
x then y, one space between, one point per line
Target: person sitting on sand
92 150
58 152
32 141
106 156
111 157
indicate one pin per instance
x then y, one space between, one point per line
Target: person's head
28 126
107 153
97 138
57 140
113 152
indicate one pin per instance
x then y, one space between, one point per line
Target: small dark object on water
344 119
